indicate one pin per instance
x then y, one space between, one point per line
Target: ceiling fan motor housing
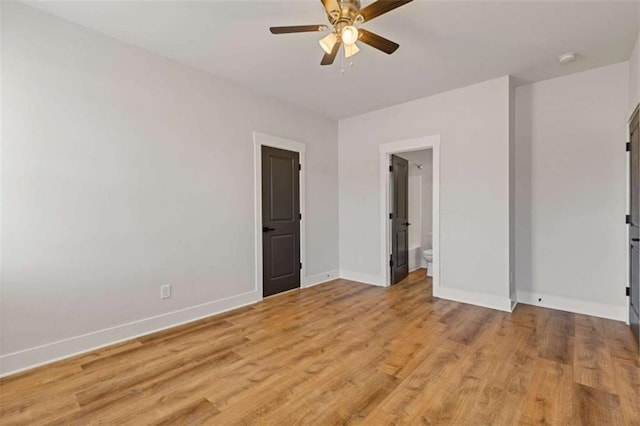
348 13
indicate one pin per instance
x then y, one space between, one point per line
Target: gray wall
570 187
123 171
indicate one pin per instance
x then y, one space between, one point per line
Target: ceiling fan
344 16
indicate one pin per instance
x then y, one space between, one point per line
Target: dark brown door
280 220
634 227
399 218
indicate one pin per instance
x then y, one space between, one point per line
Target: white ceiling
443 45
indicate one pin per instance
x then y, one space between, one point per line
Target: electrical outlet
165 291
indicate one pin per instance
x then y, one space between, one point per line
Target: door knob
407 224
267 229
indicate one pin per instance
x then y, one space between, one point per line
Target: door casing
386 150
259 140
633 233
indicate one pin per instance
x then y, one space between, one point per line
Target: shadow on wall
523 189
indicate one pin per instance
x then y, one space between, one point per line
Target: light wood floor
344 352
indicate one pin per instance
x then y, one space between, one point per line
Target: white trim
321 278
428 142
584 307
26 359
259 140
473 298
627 180
362 278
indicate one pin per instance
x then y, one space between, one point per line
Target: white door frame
427 142
260 140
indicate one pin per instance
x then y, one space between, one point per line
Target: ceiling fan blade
328 58
380 7
297 29
330 5
374 40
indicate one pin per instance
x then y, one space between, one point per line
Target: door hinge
390 215
628 146
391 168
300 216
299 167
300 265
627 219
391 261
628 292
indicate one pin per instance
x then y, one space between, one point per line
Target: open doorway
412 195
410 208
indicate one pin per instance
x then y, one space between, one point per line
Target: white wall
512 192
634 78
123 171
415 210
474 170
570 187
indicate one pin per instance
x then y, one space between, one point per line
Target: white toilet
428 257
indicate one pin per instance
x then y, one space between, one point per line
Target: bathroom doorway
411 190
410 196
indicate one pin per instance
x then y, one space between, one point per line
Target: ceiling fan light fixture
350 50
349 34
328 42
345 16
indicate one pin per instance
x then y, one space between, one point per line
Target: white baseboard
45 354
362 278
33 357
595 309
320 278
472 298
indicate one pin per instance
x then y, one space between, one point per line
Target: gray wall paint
570 177
123 171
634 77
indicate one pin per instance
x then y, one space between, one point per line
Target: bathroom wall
424 157
415 218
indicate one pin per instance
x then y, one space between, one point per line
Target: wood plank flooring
345 352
